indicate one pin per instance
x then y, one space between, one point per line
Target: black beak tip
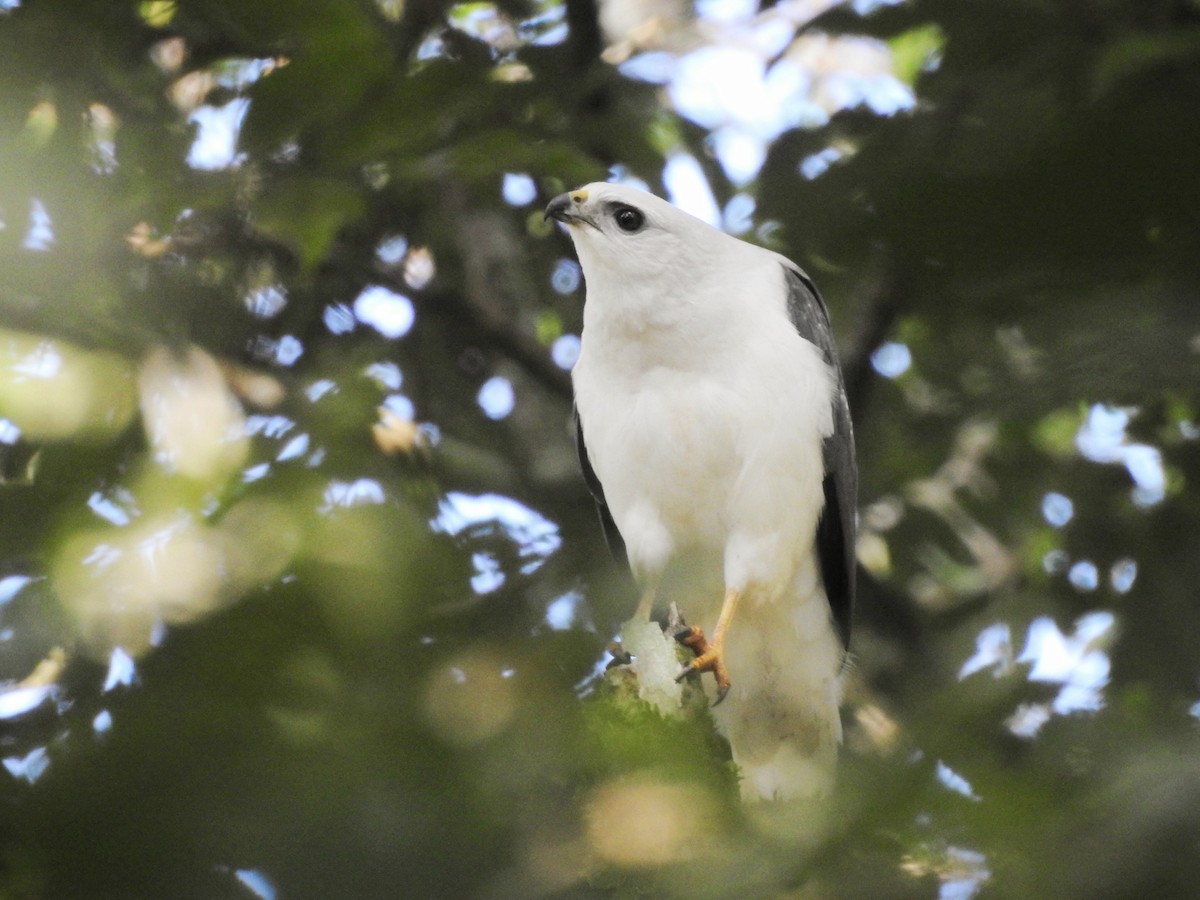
557 208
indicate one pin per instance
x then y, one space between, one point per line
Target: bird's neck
642 332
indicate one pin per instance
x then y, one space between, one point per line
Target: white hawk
714 433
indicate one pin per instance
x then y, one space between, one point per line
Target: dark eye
628 218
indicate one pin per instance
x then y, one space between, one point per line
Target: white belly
710 462
672 448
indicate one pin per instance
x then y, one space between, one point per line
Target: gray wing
837 528
612 536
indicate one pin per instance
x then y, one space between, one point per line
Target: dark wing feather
837 528
612 537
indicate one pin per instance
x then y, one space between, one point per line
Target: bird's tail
783 724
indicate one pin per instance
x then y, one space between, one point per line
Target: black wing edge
612 537
837 527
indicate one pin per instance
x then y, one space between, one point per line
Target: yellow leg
710 655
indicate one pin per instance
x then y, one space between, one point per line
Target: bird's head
629 237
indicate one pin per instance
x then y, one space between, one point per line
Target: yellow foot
709 658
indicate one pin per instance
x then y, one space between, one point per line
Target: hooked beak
566 208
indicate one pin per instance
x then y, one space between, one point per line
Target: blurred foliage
269 626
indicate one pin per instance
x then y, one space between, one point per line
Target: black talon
620 656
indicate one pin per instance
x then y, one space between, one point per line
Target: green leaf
1055 434
306 213
914 50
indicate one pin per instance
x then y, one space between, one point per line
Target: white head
629 240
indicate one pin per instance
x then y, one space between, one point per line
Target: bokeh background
301 593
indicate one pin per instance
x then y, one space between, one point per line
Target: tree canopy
301 590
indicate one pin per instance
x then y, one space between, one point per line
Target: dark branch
886 296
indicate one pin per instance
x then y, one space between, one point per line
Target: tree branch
888 294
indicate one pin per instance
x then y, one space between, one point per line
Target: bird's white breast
707 433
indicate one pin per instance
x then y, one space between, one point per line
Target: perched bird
714 433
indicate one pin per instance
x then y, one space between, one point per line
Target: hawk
714 433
